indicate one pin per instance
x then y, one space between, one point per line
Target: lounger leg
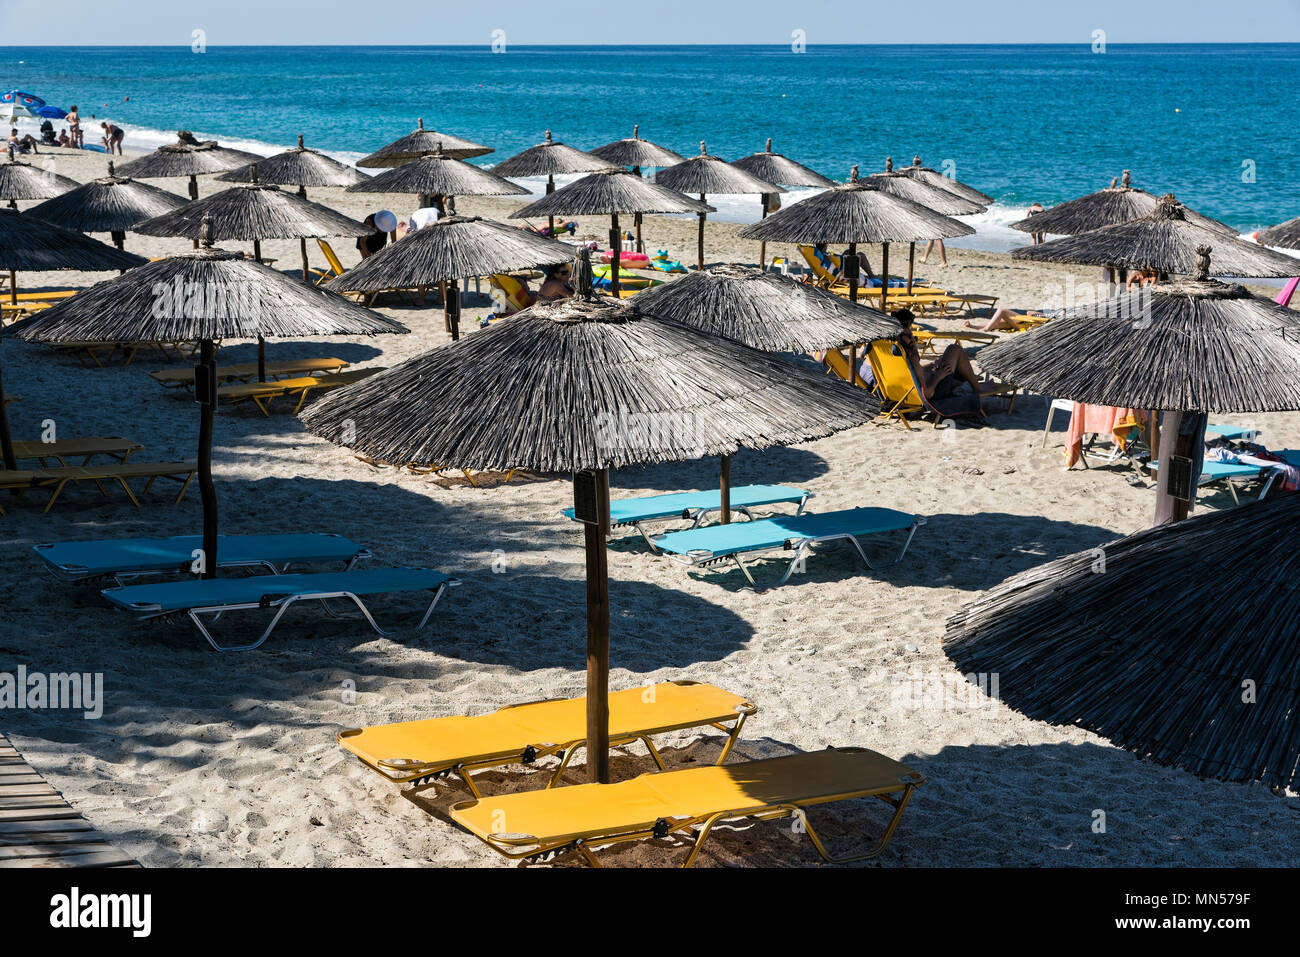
469 782
194 617
731 740
896 560
900 805
750 577
429 611
654 752
702 837
646 535
564 762
57 489
184 487
129 494
800 554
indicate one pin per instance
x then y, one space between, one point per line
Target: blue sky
249 22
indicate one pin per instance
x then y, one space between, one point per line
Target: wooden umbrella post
699 253
851 271
724 487
261 359
451 306
911 266
6 438
550 188
302 240
616 249
762 246
884 277
205 393
636 219
591 507
13 286
1182 439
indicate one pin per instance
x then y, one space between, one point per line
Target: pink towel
1099 420
1284 297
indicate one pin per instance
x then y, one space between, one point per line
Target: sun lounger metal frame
529 848
420 775
801 546
115 447
281 603
58 478
183 378
262 394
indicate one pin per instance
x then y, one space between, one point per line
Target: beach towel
1119 424
1250 454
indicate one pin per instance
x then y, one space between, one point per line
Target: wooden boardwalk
40 829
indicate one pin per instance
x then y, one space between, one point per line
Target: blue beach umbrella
52 112
17 104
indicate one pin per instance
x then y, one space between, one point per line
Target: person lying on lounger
941 377
556 285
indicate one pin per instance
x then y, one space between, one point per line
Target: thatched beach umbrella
1201 671
932 177
782 171
1111 206
706 174
25 181
438 173
609 193
918 190
584 385
637 154
766 312
34 245
419 143
548 158
1166 240
112 204
187 157
1192 346
206 295
856 212
253 212
453 248
1283 235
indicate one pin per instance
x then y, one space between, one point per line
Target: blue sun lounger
1228 472
791 533
1231 433
122 558
697 507
216 596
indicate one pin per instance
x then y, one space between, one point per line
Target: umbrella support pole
762 246
598 633
616 249
640 246
1183 436
850 268
302 246
911 265
205 390
550 188
884 278
194 194
699 252
6 438
724 486
261 359
13 287
451 306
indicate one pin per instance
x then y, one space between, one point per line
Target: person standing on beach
112 138
1035 208
74 128
943 253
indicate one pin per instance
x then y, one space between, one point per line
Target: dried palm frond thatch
25 181
301 167
855 212
1283 235
611 191
1192 346
187 157
210 294
548 158
933 177
897 183
636 152
1111 206
111 204
253 211
775 168
455 247
1167 679
34 245
439 173
418 143
765 311
712 174
1165 239
584 383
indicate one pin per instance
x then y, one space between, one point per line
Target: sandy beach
211 759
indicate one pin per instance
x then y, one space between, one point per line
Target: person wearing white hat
382 222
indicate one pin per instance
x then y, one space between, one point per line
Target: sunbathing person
1143 277
941 377
556 285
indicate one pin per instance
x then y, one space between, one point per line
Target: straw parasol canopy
897 183
1214 694
637 153
206 295
187 157
1193 346
34 245
583 385
25 181
1165 239
610 193
1284 235
111 204
548 158
932 177
706 174
416 144
783 171
299 167
1111 206
451 249
856 212
439 174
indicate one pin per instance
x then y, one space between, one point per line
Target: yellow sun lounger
335 267
536 824
435 748
512 289
262 393
61 450
183 378
56 479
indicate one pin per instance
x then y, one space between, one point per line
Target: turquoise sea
1022 123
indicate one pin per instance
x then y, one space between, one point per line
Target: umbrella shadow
353 353
780 465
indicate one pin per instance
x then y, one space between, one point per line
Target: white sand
230 759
